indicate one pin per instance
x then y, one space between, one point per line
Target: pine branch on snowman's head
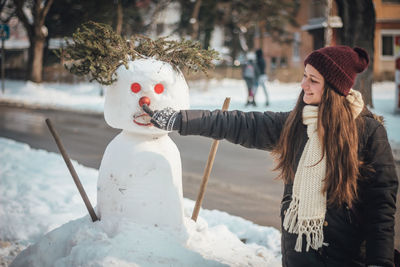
97 51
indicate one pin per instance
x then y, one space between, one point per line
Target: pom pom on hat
339 65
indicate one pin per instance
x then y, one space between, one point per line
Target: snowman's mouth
142 119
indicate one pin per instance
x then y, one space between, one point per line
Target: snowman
140 174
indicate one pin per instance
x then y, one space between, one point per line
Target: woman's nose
144 100
304 83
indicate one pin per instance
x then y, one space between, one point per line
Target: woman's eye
135 87
159 88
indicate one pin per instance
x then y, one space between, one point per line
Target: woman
333 156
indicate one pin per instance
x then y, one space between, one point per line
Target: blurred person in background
262 78
250 73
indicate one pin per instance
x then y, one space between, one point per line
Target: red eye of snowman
159 88
135 87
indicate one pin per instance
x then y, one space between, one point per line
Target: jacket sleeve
249 129
380 198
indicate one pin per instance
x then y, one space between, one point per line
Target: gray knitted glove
165 119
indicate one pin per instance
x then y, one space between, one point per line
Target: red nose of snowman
144 100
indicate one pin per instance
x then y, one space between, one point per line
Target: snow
38 198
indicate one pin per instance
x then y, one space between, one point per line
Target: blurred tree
32 14
240 20
7 11
127 17
359 20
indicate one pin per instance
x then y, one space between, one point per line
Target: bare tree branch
45 10
7 11
19 4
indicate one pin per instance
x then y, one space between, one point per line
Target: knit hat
339 65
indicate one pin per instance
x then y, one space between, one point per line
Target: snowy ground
37 198
34 200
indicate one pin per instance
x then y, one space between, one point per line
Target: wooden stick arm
207 170
72 171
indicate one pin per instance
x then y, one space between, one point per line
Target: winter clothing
354 237
339 65
260 61
250 74
306 213
262 79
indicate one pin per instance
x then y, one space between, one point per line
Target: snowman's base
84 243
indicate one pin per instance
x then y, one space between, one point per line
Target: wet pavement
241 182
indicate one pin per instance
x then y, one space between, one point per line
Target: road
241 183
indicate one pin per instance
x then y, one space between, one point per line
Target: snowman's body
140 174
149 191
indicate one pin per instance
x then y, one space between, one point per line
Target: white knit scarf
306 212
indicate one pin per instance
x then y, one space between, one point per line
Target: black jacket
355 237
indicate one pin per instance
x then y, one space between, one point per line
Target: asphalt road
241 183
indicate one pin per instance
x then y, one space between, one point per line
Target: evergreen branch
97 51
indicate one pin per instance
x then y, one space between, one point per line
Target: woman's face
313 85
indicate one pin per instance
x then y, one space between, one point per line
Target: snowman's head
156 80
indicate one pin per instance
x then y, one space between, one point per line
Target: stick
207 170
72 171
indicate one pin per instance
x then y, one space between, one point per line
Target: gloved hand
165 119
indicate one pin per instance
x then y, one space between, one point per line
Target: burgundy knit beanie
339 65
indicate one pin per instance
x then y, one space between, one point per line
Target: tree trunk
36 68
195 20
261 28
120 16
358 18
37 33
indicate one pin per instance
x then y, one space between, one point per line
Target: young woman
334 158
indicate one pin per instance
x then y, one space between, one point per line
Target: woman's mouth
142 119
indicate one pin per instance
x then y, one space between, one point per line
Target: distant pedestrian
262 78
250 75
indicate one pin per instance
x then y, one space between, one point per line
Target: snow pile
38 195
123 243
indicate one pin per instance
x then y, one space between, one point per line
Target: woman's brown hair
338 132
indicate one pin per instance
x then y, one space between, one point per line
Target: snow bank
38 196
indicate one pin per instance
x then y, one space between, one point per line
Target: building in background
284 61
387 35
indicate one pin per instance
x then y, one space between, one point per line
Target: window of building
296 47
387 45
283 63
390 45
273 63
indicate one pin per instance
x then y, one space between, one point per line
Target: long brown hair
338 132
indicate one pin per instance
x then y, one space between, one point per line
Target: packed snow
36 200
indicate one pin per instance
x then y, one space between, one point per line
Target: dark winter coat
358 236
260 62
